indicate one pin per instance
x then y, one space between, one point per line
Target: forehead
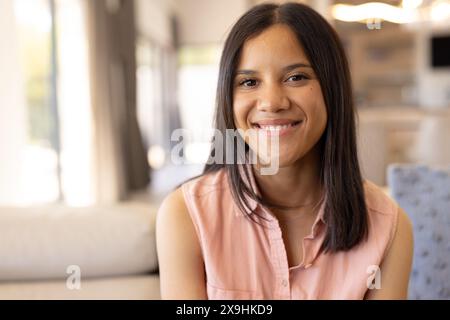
276 45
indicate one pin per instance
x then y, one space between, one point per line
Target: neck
294 186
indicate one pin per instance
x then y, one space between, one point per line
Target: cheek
316 113
241 109
320 117
318 110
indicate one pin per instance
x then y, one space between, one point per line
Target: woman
312 230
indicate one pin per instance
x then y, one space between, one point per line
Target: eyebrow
285 69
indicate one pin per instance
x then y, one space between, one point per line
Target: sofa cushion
45 242
137 287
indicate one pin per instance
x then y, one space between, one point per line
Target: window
40 155
198 75
52 49
150 100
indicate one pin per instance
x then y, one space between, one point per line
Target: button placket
283 290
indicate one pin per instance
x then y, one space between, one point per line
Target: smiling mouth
276 127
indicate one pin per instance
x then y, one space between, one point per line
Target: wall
207 21
434 84
153 20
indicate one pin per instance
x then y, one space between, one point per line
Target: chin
285 159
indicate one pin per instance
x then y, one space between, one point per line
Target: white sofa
56 252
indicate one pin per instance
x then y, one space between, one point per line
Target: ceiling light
374 10
411 4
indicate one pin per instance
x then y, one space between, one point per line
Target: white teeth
274 128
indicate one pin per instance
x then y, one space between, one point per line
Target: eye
248 83
297 77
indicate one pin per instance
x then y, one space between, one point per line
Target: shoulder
405 228
382 214
378 201
175 231
403 242
179 251
396 264
205 183
386 216
180 209
172 213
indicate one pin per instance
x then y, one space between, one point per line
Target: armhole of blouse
393 231
186 198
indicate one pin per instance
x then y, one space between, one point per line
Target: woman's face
277 93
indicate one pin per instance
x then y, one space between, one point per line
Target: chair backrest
424 194
432 146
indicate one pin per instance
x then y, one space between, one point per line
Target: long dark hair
345 209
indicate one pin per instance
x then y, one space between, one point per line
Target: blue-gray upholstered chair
424 194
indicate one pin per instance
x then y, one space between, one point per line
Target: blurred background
91 91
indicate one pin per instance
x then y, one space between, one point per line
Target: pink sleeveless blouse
244 260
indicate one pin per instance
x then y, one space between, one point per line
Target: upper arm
180 260
396 266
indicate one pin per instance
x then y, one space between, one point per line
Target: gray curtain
119 157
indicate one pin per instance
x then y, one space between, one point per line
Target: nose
272 99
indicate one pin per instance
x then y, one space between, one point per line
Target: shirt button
284 283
